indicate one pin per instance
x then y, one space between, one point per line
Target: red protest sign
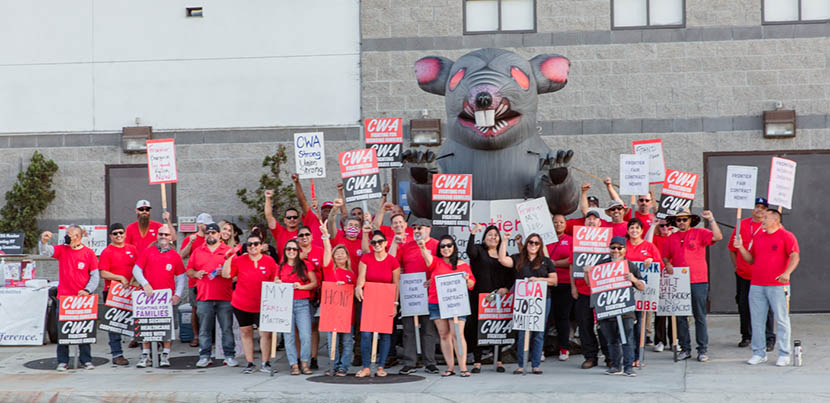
680 184
608 276
383 130
336 302
119 296
161 161
490 310
378 308
76 307
611 293
452 187
590 244
358 162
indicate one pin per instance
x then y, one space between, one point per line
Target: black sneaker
314 364
407 370
249 369
613 371
630 372
432 369
744 343
770 345
684 355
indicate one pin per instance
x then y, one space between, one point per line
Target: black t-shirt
527 270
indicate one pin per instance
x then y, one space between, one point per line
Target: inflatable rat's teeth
486 118
481 119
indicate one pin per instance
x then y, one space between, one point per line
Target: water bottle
212 275
797 353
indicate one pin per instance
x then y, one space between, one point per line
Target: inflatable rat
491 101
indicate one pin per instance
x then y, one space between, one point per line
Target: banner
359 170
590 246
781 182
501 213
536 218
336 303
529 305
16 274
161 161
11 243
76 319
452 295
451 197
275 307
648 299
95 236
378 308
310 155
675 294
740 187
153 315
611 294
653 149
117 315
22 310
634 174
385 136
678 193
414 294
495 325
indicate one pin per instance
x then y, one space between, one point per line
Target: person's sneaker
589 364
431 369
231 362
649 341
266 367
133 344
249 369
702 357
62 367
756 359
658 348
144 361
783 361
684 355
313 364
407 370
164 362
543 358
630 372
744 343
204 362
120 360
613 371
89 365
770 346
564 355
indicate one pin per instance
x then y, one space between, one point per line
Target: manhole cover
189 362
372 380
52 363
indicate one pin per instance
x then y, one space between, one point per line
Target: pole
313 193
621 328
164 196
417 335
643 326
526 349
496 347
674 336
333 348
375 347
273 359
154 348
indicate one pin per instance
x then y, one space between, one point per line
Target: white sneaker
783 361
204 362
564 355
144 361
658 348
62 367
231 362
756 359
89 365
543 358
165 360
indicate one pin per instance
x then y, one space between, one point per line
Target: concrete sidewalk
725 377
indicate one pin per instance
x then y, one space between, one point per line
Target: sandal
447 373
518 371
306 371
500 368
194 343
537 371
465 374
340 372
476 369
295 370
380 372
363 373
636 364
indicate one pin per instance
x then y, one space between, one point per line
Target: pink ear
555 69
427 69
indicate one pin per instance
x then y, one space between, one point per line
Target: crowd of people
220 270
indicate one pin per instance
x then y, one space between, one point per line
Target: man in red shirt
616 210
214 296
644 210
116 264
191 243
774 256
687 248
143 231
77 275
281 234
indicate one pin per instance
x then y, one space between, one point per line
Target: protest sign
22 310
275 307
76 319
153 315
117 315
536 219
451 196
378 308
740 186
781 182
452 295
95 236
310 155
161 161
385 135
648 299
590 246
678 193
494 320
653 149
501 213
675 294
336 302
634 174
11 243
16 274
611 294
359 170
529 305
414 294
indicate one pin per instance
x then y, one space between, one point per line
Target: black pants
560 313
742 299
662 330
587 330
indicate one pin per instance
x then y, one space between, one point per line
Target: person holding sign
639 250
530 263
309 217
142 233
661 323
337 268
616 210
313 254
774 256
77 275
350 235
560 254
298 272
281 233
116 264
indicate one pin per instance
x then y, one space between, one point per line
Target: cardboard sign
634 174
22 310
385 135
161 161
781 182
501 213
11 243
495 325
414 294
451 197
653 149
611 294
310 155
675 294
336 303
648 299
740 187
275 307
378 308
117 315
590 246
359 170
452 295
95 236
536 219
153 315
76 319
529 305
16 274
678 193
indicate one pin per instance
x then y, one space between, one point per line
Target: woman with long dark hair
298 272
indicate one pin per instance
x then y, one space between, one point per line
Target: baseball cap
593 199
116 226
594 212
143 203
421 222
327 204
212 227
619 240
761 200
613 204
204 218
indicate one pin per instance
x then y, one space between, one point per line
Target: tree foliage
284 195
28 198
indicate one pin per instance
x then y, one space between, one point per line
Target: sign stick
417 335
164 196
313 193
674 336
527 351
154 346
273 359
375 347
738 222
623 340
333 350
594 176
365 209
496 347
643 326
780 210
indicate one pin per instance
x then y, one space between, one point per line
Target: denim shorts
435 313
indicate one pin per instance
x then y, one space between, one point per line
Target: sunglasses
663 225
254 243
291 249
645 200
681 219
164 234
143 209
445 246
303 235
292 217
615 208
117 233
617 247
535 243
377 241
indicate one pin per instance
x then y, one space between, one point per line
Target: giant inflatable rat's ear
551 72
432 73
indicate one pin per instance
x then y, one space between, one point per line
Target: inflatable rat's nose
484 100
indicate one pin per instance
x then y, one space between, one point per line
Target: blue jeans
209 312
115 344
384 341
84 353
537 341
343 355
610 329
761 299
301 318
699 293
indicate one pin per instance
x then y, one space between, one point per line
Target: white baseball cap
143 203
204 218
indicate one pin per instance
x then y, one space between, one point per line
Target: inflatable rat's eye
520 77
456 78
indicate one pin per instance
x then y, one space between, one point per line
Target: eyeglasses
303 235
645 200
617 247
535 243
117 233
377 241
445 246
164 234
291 249
254 243
681 219
143 209
292 217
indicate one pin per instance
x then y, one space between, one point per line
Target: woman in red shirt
299 272
561 302
448 263
639 250
337 268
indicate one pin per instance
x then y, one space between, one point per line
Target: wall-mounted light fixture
779 123
425 132
134 139
194 12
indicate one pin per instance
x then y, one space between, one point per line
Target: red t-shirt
582 287
133 236
647 219
619 229
286 275
570 224
207 289
118 261
199 241
379 271
329 274
409 256
249 279
281 236
390 235
562 250
771 255
659 241
315 257
311 221
439 267
749 229
161 269
688 249
74 268
352 245
642 251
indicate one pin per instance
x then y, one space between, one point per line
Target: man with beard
142 233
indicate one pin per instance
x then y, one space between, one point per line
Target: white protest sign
275 307
648 299
161 161
310 155
675 294
153 315
781 182
414 294
656 162
529 305
452 295
634 174
536 219
740 187
22 310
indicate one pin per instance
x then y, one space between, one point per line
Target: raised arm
335 210
367 235
165 216
422 245
383 207
612 193
472 250
583 198
269 213
44 248
717 235
505 260
298 189
340 196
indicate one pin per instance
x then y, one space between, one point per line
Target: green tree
28 198
284 195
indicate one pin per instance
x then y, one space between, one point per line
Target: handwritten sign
153 315
781 182
740 186
590 246
536 219
529 305
653 149
385 135
675 294
414 294
76 319
634 174
310 155
495 320
452 295
611 294
648 299
359 170
161 161
95 236
678 193
378 308
117 315
336 304
275 307
451 196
